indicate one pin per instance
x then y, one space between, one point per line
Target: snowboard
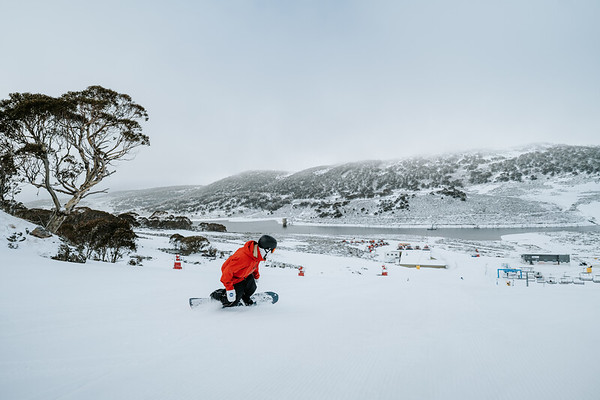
257 298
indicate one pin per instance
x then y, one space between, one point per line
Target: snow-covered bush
97 234
14 239
163 220
105 239
70 254
192 245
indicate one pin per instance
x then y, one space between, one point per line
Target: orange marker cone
177 262
301 271
383 271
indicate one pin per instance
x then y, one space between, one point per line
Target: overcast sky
240 85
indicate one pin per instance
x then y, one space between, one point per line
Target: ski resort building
393 256
419 259
554 258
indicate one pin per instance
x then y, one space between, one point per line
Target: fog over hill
546 185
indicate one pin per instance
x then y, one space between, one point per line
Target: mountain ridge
391 191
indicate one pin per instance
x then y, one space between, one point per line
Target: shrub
70 254
105 239
212 227
100 235
159 220
192 245
454 193
14 239
136 260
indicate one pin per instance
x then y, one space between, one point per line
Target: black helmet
267 242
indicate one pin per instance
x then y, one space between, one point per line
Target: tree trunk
60 216
48 185
56 221
72 203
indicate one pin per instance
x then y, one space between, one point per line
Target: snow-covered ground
342 331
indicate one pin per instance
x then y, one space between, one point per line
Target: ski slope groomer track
112 331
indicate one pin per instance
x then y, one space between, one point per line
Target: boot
218 295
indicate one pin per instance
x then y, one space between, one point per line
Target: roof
412 258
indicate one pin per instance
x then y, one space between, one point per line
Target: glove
231 295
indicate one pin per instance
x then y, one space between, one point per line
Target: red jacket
241 264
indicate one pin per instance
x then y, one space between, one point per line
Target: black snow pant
243 291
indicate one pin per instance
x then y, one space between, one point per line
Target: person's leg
243 291
249 289
219 295
238 296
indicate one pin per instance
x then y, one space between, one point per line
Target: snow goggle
266 251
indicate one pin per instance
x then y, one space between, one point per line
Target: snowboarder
240 272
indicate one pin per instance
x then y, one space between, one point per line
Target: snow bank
99 331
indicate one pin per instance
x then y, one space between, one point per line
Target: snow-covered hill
543 186
115 331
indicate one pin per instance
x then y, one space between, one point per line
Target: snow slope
564 200
113 331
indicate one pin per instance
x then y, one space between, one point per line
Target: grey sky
238 85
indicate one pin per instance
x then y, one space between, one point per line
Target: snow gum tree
8 171
68 145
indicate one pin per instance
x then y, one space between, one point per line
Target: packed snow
342 331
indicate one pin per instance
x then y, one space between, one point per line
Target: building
553 258
393 256
419 259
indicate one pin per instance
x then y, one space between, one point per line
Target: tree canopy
69 144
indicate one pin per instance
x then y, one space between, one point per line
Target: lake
274 228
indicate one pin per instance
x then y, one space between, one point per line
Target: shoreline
394 226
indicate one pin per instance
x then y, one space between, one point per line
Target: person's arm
227 275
